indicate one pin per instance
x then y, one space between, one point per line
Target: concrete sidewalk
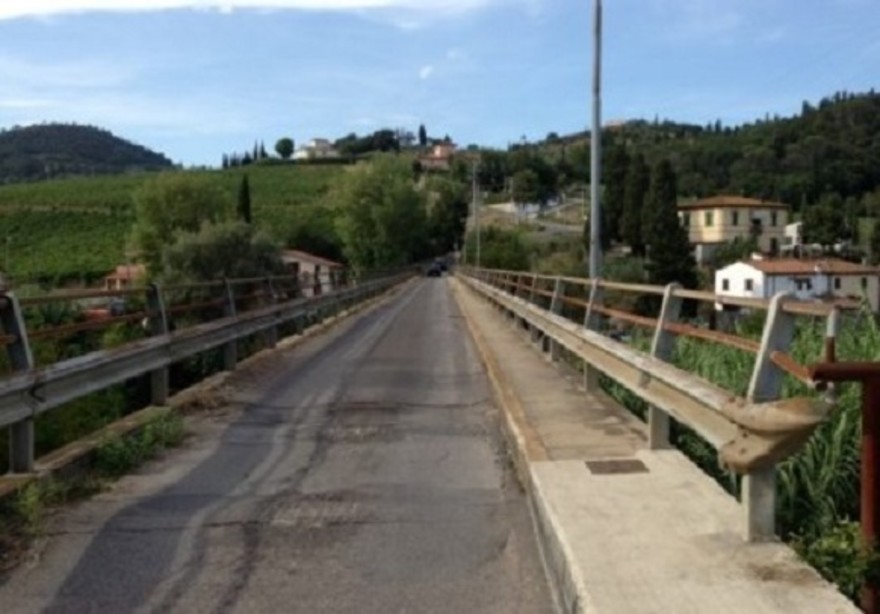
625 529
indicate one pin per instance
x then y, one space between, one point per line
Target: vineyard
75 230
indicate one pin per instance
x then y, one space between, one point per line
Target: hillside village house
819 279
711 222
440 158
316 149
124 276
318 275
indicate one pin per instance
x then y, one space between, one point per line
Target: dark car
434 271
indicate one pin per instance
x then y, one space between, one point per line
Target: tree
423 136
171 203
670 258
284 147
824 221
313 229
263 154
612 197
448 213
634 193
227 249
382 219
244 200
499 249
732 251
875 242
525 188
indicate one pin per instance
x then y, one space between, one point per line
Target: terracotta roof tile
825 266
726 200
295 254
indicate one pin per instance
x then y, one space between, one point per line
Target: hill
53 150
829 150
75 230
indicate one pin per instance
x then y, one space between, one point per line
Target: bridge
420 445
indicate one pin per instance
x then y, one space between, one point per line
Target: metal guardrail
751 433
29 392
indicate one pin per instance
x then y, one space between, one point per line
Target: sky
194 79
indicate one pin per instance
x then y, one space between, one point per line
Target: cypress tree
612 198
244 200
423 136
875 242
669 252
635 190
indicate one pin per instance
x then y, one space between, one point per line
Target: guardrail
266 304
751 433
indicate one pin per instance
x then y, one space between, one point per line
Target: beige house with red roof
317 275
711 222
125 276
440 158
819 279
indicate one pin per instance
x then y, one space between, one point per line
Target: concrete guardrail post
270 337
534 332
759 487
158 325
556 305
662 347
592 322
230 350
21 434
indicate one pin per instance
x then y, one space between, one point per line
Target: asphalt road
360 472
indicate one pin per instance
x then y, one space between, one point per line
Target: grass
818 488
23 517
119 455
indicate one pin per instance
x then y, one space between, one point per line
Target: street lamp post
596 147
475 209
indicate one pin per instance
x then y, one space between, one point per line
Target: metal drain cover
615 466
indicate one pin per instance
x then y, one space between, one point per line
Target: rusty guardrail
269 303
751 433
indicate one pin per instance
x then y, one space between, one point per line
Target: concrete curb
568 591
76 455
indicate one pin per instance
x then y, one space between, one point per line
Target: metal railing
751 433
212 315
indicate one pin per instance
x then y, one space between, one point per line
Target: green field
76 229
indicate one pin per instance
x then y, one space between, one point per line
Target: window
837 283
749 285
734 218
864 283
803 283
686 219
725 284
773 218
708 218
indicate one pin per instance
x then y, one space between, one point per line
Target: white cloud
11 9
426 72
24 103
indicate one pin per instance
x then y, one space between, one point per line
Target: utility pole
476 210
596 147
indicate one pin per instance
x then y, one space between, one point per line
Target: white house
793 239
820 279
316 149
317 275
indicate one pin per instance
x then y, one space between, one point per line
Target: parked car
434 270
